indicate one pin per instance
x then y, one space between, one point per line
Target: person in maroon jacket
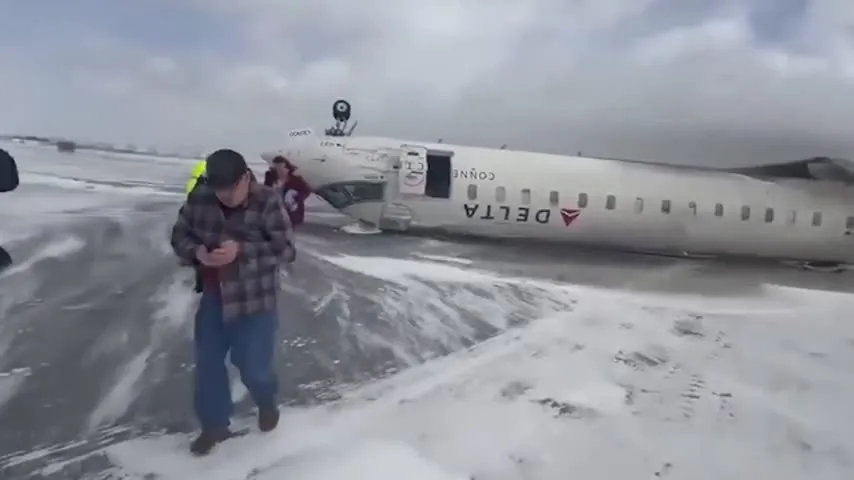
282 175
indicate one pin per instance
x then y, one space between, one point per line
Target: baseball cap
224 168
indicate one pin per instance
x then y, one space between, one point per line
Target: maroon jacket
294 193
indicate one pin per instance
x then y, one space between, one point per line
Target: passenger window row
666 206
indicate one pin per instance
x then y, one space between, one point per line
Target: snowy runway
406 357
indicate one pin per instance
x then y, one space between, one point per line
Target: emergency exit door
413 170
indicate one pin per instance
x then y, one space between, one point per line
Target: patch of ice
10 382
441 258
60 248
122 392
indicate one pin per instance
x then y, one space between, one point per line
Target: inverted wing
816 168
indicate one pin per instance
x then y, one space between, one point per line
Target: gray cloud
687 81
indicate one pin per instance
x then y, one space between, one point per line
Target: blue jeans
251 340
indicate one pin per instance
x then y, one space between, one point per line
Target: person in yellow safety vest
198 172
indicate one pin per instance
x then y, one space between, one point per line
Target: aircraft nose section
303 156
286 151
302 160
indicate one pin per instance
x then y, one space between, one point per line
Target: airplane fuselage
625 205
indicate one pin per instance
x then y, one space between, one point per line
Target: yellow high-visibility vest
198 170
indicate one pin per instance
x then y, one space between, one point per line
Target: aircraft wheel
341 110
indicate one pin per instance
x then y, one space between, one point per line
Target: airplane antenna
341 112
355 124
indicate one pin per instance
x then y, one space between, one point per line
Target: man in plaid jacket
238 233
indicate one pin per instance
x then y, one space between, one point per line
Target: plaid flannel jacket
248 285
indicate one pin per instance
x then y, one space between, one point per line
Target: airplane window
345 194
816 219
693 207
638 205
793 217
849 223
745 213
526 196
500 194
769 215
554 198
665 206
582 200
610 202
472 192
719 210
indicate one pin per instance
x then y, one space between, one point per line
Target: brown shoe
268 418
207 440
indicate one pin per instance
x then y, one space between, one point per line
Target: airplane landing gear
341 112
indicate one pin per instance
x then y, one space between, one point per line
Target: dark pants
200 282
251 340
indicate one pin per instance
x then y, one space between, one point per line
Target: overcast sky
691 81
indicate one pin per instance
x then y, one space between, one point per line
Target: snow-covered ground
607 373
618 385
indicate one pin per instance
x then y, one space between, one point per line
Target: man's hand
225 254
204 257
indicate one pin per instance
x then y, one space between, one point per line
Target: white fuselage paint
780 223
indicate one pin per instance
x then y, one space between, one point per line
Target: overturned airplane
800 211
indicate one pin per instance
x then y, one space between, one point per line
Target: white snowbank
359 228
